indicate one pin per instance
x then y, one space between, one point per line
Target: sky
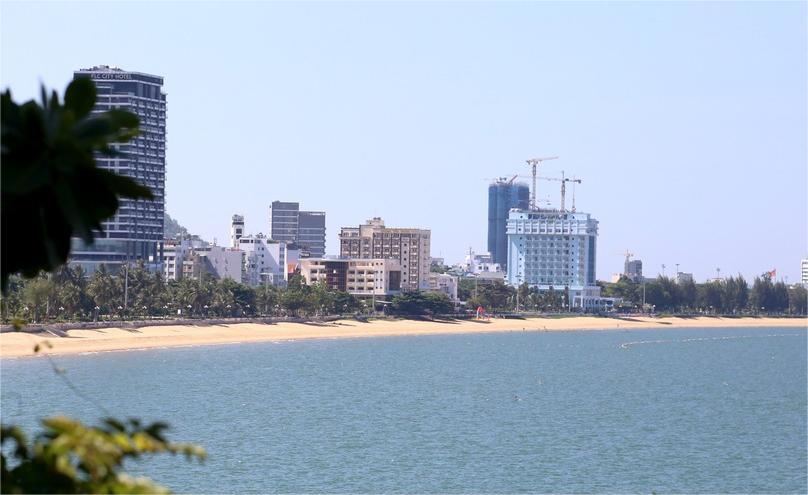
686 121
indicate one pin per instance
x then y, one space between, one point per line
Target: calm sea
718 410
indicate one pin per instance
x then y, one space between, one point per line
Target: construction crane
574 181
563 180
534 162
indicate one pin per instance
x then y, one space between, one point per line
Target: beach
20 344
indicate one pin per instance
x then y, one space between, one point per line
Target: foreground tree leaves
51 187
70 457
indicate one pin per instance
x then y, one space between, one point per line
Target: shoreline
96 340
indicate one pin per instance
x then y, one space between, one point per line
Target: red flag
773 273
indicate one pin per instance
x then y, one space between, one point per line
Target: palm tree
104 290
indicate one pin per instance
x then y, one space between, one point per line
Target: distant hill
173 228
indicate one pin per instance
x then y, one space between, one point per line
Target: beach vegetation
52 190
421 303
48 158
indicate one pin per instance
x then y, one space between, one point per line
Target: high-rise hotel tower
137 227
503 195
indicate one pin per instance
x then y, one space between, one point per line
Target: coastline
21 344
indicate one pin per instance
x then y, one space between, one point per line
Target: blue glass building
502 196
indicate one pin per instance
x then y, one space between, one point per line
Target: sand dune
16 344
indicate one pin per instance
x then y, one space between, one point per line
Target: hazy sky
686 121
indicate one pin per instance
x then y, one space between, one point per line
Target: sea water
696 410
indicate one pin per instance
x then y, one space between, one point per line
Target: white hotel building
554 248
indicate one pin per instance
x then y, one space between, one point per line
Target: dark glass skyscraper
502 196
305 229
137 227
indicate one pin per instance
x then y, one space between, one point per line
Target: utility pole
643 294
718 274
677 270
126 286
663 269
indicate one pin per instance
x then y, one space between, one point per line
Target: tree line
732 295
68 294
729 296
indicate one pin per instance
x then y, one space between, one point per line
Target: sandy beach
19 344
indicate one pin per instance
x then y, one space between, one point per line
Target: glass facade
551 248
502 196
137 226
305 229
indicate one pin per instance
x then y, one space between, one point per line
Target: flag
773 273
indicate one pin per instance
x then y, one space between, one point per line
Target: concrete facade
410 247
554 248
444 283
265 260
360 277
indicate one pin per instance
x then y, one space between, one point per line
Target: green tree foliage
495 296
104 290
797 300
465 288
48 169
421 303
52 190
36 296
69 457
729 296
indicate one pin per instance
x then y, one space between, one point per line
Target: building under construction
503 195
554 248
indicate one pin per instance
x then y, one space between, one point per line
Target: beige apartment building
360 277
410 247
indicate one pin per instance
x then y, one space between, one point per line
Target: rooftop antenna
534 162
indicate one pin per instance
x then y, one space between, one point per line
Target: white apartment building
264 260
410 247
480 263
360 277
442 282
174 251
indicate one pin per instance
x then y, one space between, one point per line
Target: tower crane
563 180
534 162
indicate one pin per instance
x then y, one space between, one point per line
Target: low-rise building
360 277
211 261
682 278
265 260
173 251
442 282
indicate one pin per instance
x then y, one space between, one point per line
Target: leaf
80 96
